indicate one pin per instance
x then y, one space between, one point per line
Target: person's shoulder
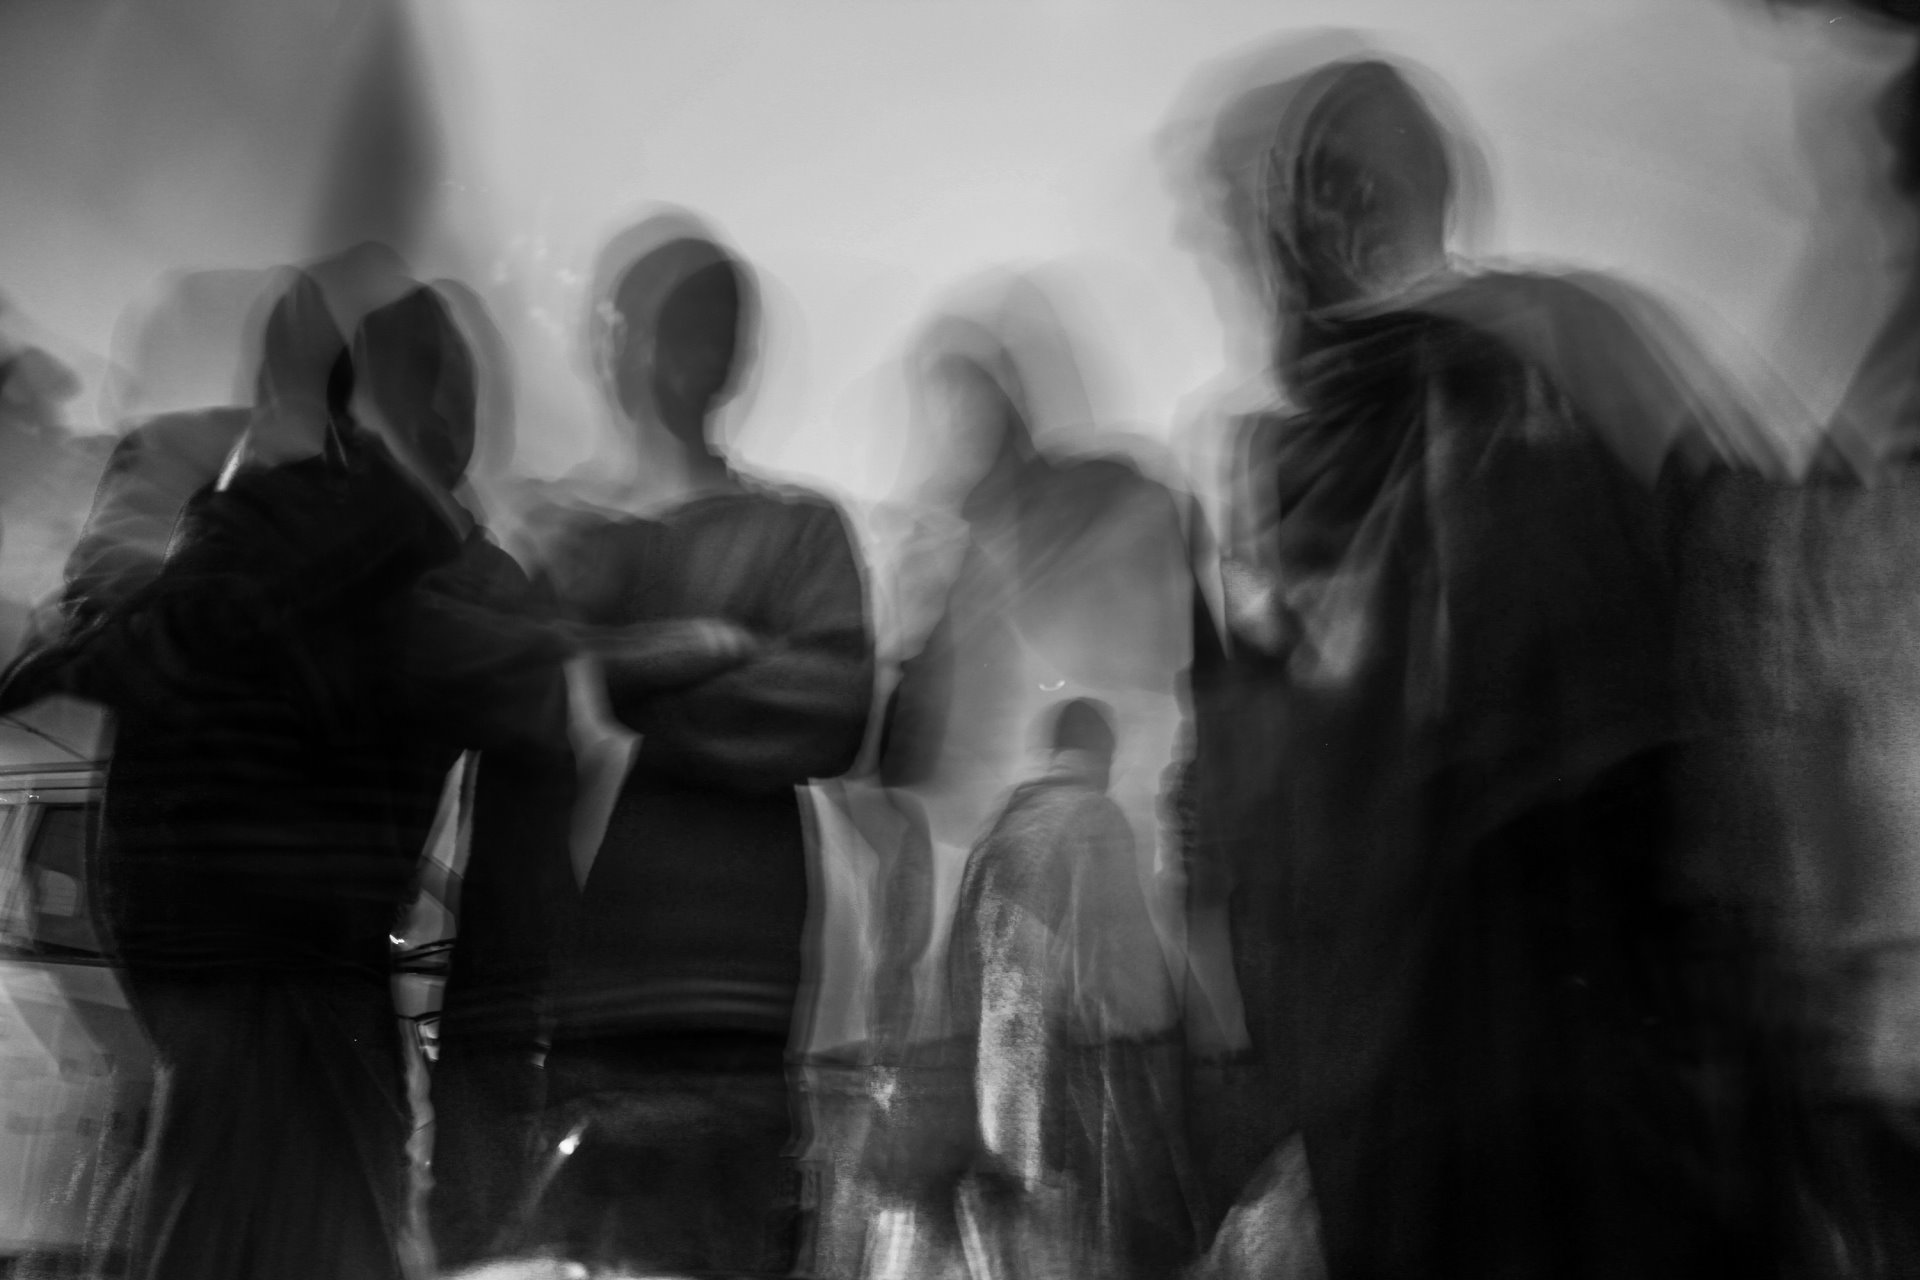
1015 842
1116 478
562 528
206 434
800 500
1560 319
1105 471
483 573
789 509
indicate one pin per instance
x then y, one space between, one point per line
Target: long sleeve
487 673
517 899
796 710
152 475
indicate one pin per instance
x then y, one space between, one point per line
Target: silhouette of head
976 395
415 368
1359 187
680 318
303 354
1084 727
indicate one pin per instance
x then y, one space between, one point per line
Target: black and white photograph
960 639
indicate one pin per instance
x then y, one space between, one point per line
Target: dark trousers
279 1141
669 1153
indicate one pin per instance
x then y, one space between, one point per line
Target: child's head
1084 728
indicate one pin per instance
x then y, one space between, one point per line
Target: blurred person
43 462
1802 602
729 632
1064 574
161 463
1062 992
290 689
1067 567
192 343
1439 744
1062 571
514 895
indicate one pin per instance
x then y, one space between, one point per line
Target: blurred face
436 428
416 386
672 340
970 416
688 370
1361 210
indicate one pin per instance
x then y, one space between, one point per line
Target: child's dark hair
1083 724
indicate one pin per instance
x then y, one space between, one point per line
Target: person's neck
994 494
1079 768
704 471
672 469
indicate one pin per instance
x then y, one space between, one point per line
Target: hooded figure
499 694
290 688
1437 744
1067 575
163 462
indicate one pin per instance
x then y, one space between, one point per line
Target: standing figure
1479 973
730 634
290 687
1067 576
1061 991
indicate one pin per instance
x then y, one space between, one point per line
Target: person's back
257 849
155 470
290 688
1061 995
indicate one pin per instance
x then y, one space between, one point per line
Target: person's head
674 328
1360 187
973 398
1080 733
304 381
493 448
302 350
416 383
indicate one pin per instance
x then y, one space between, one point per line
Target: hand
1254 608
712 638
657 656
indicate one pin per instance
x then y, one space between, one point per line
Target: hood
1358 191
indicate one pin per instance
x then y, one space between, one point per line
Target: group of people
1440 824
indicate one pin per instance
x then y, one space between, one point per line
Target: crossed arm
755 711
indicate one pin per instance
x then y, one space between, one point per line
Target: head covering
959 345
418 370
493 379
304 381
300 345
641 272
1083 724
1357 194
